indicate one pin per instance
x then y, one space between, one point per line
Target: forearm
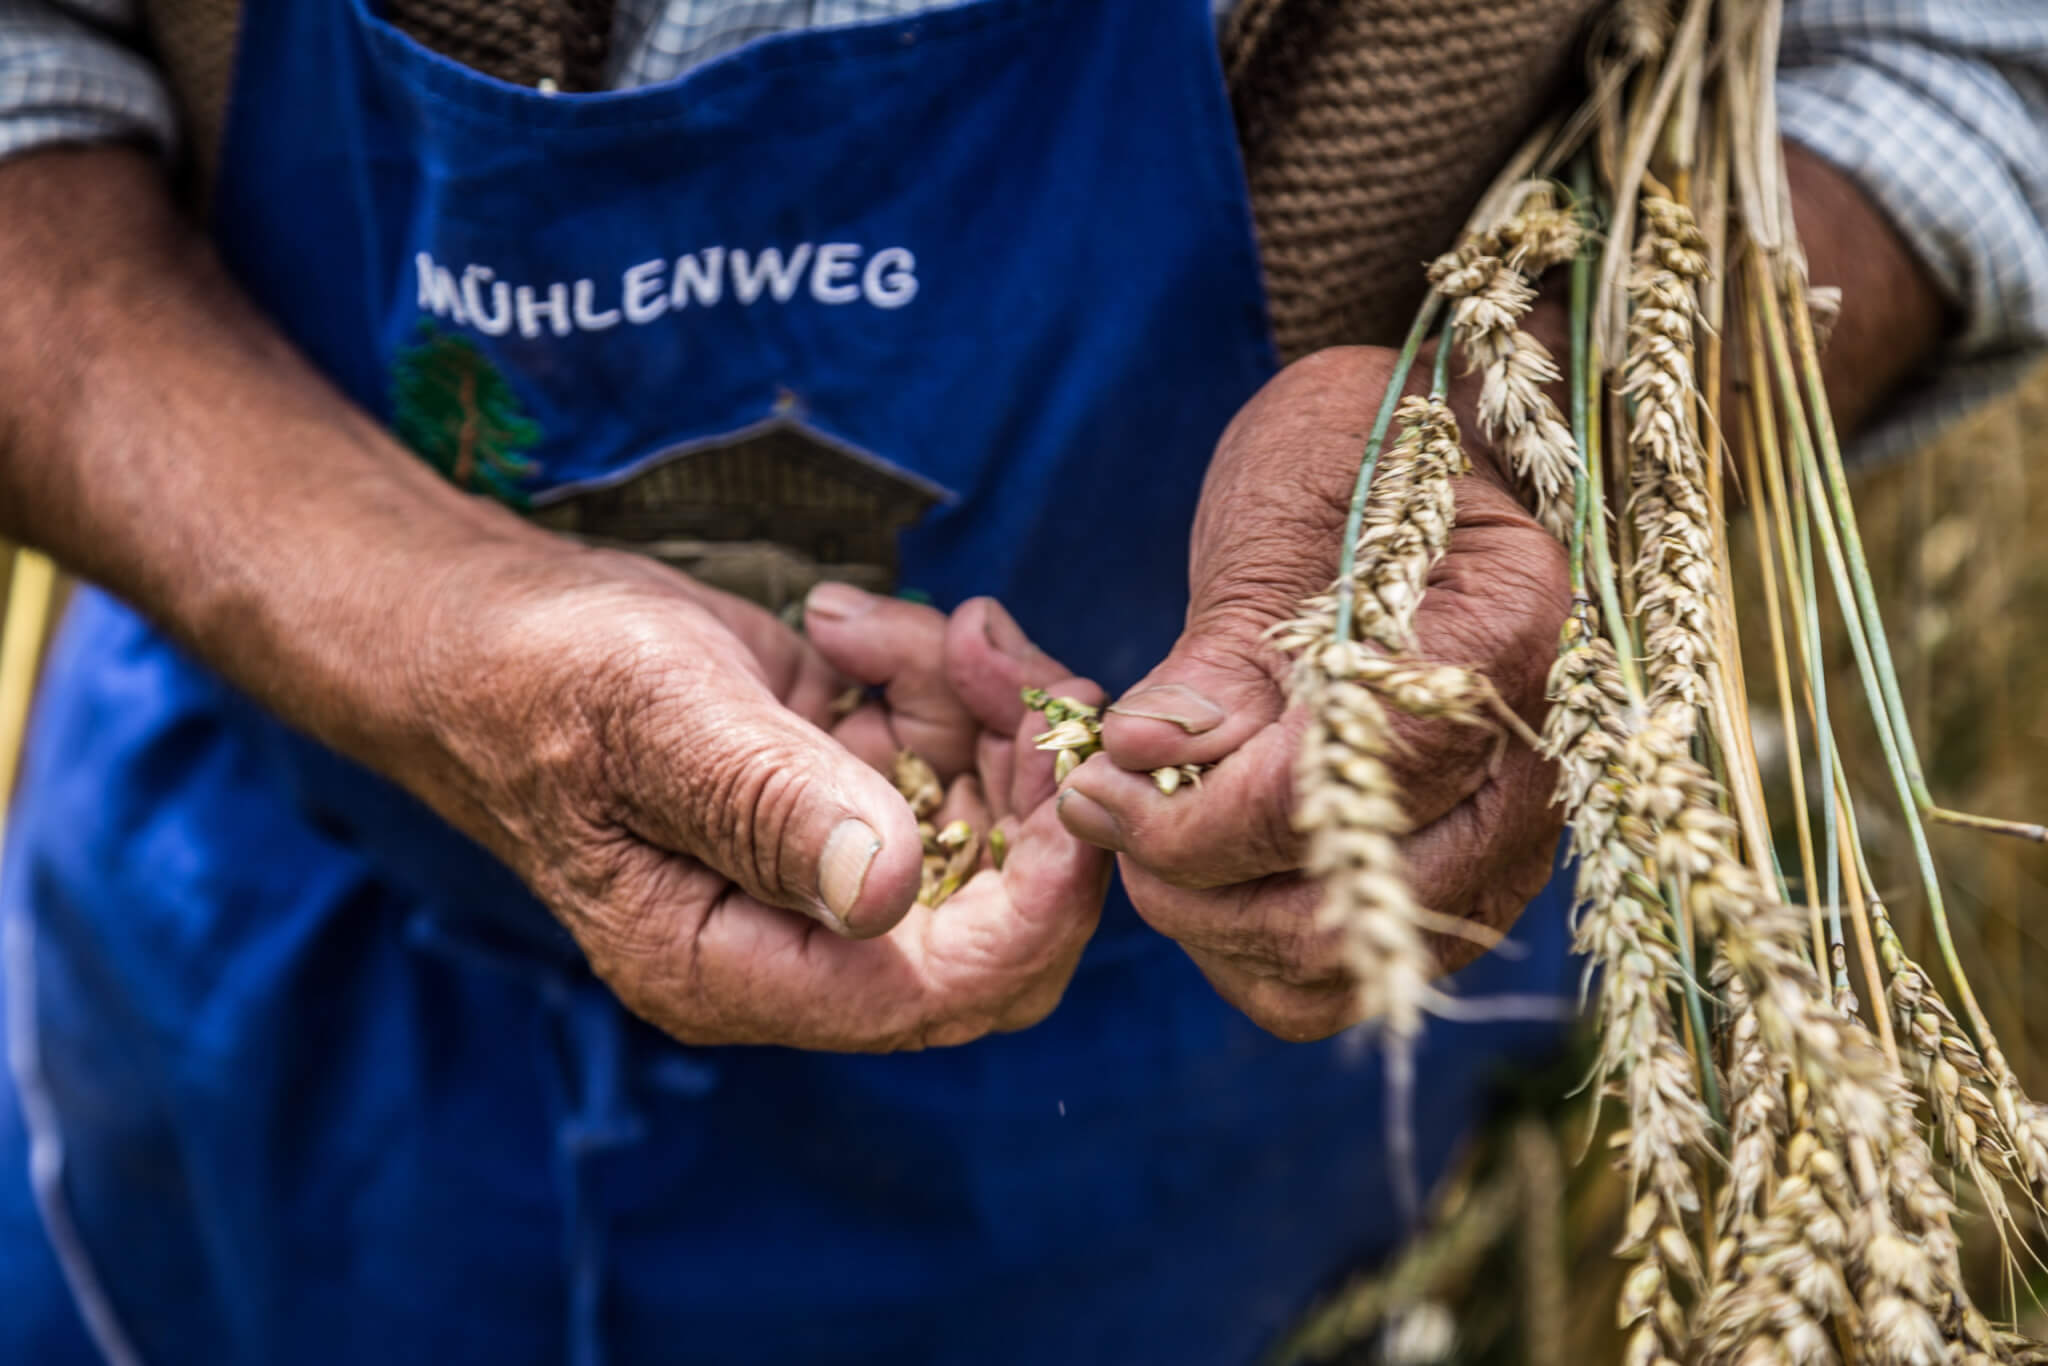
1893 318
159 437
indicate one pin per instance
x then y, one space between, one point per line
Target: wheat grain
1773 1302
1754 1090
1540 234
1674 568
1952 1073
918 782
2022 1122
1488 278
1076 735
1629 941
1407 522
1350 810
951 853
950 856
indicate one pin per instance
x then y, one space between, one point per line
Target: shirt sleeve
71 72
1938 109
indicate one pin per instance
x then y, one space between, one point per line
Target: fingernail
837 602
843 869
1088 820
1007 636
1175 702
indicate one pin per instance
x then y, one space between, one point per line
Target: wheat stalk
1849 1164
1674 570
1350 810
1407 523
1489 279
1348 805
1951 1073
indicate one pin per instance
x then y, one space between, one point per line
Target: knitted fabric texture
1370 128
564 41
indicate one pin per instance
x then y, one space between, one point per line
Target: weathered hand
652 758
1215 868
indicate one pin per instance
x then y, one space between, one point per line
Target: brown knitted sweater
1369 127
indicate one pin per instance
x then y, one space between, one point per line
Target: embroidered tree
458 412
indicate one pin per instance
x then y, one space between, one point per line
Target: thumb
1265 537
739 782
1222 684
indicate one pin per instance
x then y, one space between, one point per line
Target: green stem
1823 729
1861 643
1852 541
1888 740
1582 294
1990 825
1695 1010
1347 559
1866 596
1603 563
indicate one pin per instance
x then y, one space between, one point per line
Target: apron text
829 272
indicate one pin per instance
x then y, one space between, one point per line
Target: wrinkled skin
679 776
680 779
1215 869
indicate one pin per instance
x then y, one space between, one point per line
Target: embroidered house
765 516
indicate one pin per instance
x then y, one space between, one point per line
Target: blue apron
310 1079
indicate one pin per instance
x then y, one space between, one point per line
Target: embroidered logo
830 273
459 413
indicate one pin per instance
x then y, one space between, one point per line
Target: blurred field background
1518 1268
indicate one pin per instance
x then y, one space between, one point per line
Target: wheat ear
1628 939
1674 567
1489 277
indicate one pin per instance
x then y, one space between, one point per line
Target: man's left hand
1216 867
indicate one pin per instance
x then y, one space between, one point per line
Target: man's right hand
647 754
653 759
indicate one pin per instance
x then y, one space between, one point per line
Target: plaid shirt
1937 108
